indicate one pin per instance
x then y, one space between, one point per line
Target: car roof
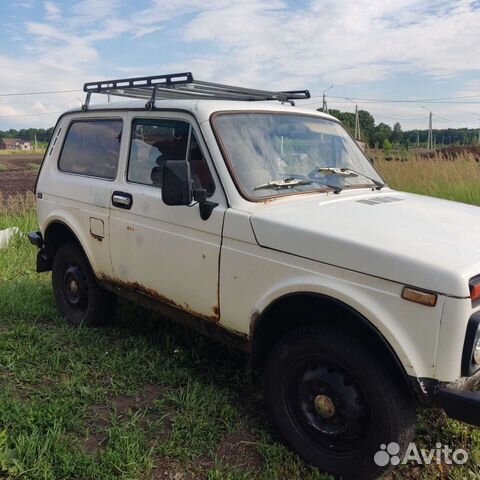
203 109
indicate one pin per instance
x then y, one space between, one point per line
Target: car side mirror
176 183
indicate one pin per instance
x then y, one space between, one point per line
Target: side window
92 148
156 140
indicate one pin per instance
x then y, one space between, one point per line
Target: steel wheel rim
75 287
327 406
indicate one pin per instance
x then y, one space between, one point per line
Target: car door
167 252
81 168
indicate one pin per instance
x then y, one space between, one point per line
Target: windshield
277 154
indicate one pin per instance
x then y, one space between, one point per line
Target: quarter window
157 140
92 148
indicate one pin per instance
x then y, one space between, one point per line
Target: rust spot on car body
207 324
151 293
267 200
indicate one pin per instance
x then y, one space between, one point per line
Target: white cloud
52 11
259 43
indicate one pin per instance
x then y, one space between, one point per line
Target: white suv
264 225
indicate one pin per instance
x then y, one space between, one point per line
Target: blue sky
367 49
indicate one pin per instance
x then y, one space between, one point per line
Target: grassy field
147 399
454 180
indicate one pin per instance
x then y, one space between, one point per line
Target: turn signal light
475 292
418 296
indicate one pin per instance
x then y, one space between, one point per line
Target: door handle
122 200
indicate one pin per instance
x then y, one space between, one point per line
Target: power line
51 92
415 100
403 119
389 117
449 120
30 114
401 100
350 98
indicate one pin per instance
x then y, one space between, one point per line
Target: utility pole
324 105
36 147
430 129
357 124
418 139
430 133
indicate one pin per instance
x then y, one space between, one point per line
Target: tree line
28 134
375 135
382 135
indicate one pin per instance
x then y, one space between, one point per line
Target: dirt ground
18 173
454 151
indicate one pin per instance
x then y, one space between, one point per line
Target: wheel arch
277 318
57 233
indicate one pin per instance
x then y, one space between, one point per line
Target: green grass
457 180
142 399
61 387
33 166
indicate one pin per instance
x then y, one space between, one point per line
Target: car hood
411 239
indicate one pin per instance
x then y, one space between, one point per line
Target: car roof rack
183 85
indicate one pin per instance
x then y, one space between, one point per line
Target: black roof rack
182 85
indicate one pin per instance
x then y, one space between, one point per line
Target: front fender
411 330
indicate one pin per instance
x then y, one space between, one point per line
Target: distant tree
381 132
397 134
347 118
367 125
384 128
376 140
387 145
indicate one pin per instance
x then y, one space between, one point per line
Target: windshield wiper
292 182
347 172
285 183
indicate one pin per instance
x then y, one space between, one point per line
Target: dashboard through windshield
273 154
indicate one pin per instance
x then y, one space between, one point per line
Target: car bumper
44 264
461 403
36 239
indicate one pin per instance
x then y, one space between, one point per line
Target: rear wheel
79 297
336 403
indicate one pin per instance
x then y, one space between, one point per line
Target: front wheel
78 295
335 402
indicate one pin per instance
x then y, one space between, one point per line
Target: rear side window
92 148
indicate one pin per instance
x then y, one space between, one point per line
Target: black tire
79 297
337 403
